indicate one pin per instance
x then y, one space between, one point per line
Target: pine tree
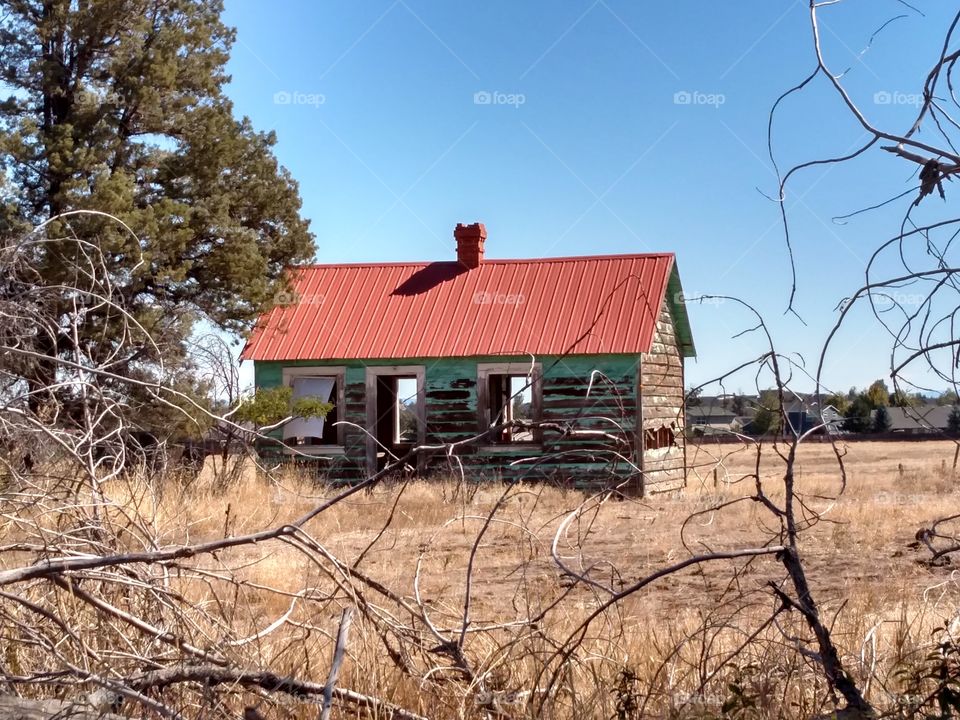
881 420
857 417
118 106
953 421
768 418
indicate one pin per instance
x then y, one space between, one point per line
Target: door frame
373 374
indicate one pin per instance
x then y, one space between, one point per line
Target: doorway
396 414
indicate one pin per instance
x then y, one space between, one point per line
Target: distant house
582 358
805 415
802 414
919 420
707 418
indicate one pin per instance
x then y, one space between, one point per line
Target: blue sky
600 126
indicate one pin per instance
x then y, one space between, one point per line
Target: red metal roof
553 306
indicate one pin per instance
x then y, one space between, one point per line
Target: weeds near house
274 608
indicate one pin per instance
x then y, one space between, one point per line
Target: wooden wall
589 402
661 400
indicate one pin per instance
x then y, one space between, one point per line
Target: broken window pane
310 431
661 437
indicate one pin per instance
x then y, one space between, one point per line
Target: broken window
661 437
509 393
318 384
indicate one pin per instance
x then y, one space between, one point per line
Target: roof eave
678 309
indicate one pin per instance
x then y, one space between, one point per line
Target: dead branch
213 675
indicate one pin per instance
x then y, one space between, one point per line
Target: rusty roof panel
579 305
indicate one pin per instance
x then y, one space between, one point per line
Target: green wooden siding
568 455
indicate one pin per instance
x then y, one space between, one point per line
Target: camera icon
882 97
682 97
482 298
482 97
281 97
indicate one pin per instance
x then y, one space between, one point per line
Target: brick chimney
470 244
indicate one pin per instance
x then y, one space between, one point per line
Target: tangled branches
910 285
124 590
116 592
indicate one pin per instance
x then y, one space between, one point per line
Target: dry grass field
882 600
403 549
860 547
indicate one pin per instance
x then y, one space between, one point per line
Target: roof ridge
488 261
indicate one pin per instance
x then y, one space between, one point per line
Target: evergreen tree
768 418
118 106
953 421
857 417
881 420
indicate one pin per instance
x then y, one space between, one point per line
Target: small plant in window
271 406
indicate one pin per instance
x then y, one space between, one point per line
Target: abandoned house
559 369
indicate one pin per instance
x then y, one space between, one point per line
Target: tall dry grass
694 644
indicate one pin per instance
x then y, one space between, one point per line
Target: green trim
548 362
678 308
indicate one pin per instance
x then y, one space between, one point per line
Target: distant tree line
866 411
863 411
